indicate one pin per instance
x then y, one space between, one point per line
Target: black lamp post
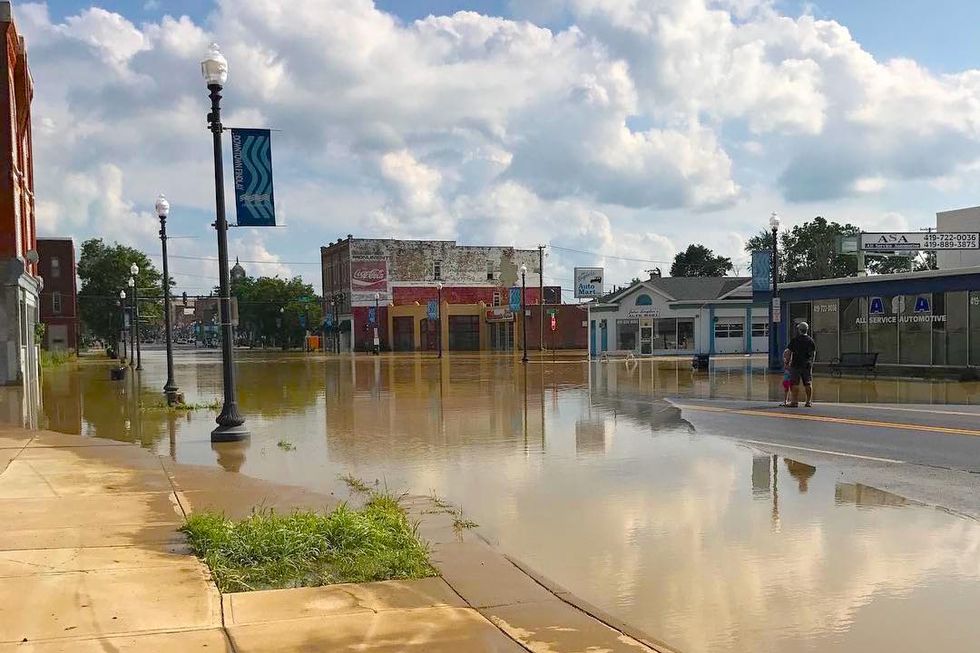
439 319
336 320
170 387
377 324
775 359
122 317
524 311
135 270
231 423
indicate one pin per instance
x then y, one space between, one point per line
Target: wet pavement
590 476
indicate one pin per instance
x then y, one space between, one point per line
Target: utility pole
541 297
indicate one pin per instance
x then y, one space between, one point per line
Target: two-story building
59 298
395 286
19 281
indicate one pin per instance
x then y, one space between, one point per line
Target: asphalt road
926 453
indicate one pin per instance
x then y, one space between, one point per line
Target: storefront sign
645 311
588 282
918 240
500 314
900 319
367 277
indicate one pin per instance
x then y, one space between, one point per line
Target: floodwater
697 540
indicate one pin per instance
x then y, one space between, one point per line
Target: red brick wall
570 333
402 295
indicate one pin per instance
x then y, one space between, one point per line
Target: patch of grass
182 408
286 445
51 359
306 549
355 484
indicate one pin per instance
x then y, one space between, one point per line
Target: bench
855 361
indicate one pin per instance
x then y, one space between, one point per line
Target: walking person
802 350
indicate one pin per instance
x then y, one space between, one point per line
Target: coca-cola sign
369 276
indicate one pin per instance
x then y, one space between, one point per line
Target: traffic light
185 298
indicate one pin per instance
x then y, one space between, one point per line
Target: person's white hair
803 328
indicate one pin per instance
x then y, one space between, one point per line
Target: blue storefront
916 322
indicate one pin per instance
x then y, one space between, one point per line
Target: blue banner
251 151
372 316
515 299
433 310
761 271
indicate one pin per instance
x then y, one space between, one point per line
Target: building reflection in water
866 496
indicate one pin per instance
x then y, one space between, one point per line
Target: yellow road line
833 420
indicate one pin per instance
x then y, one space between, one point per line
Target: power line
621 258
215 260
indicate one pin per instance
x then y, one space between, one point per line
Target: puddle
699 541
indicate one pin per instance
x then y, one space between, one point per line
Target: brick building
19 283
401 278
59 297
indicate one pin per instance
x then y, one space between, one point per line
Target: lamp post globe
524 311
162 207
231 423
775 359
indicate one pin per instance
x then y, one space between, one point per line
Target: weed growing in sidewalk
355 484
51 359
181 408
460 523
306 549
286 445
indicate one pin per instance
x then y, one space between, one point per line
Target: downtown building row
395 286
919 323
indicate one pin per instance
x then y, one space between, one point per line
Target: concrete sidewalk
91 560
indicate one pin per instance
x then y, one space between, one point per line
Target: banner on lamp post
251 151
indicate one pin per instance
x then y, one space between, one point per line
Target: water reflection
585 473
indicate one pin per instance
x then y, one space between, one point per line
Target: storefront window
798 312
685 334
853 314
883 328
665 333
825 329
915 329
626 333
950 337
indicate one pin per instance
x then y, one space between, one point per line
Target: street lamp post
231 423
377 318
775 360
524 311
135 270
338 298
439 319
170 387
122 316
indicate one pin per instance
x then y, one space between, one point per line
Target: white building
954 221
679 316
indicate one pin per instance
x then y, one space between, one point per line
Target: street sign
776 310
588 282
912 241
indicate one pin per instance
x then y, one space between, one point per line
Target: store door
646 340
501 336
404 339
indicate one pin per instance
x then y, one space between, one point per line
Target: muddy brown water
697 540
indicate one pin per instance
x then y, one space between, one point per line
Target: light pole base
230 433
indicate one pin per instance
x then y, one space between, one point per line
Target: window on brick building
55 268
489 270
56 302
437 270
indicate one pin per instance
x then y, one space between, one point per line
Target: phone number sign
914 241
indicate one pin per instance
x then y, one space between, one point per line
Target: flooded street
591 478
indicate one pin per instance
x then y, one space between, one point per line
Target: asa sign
913 241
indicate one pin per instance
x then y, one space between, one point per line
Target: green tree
104 271
278 311
699 261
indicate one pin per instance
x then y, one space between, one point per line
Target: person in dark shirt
802 348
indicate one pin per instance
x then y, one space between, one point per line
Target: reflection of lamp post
163 210
775 360
524 310
231 423
122 316
439 319
377 317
